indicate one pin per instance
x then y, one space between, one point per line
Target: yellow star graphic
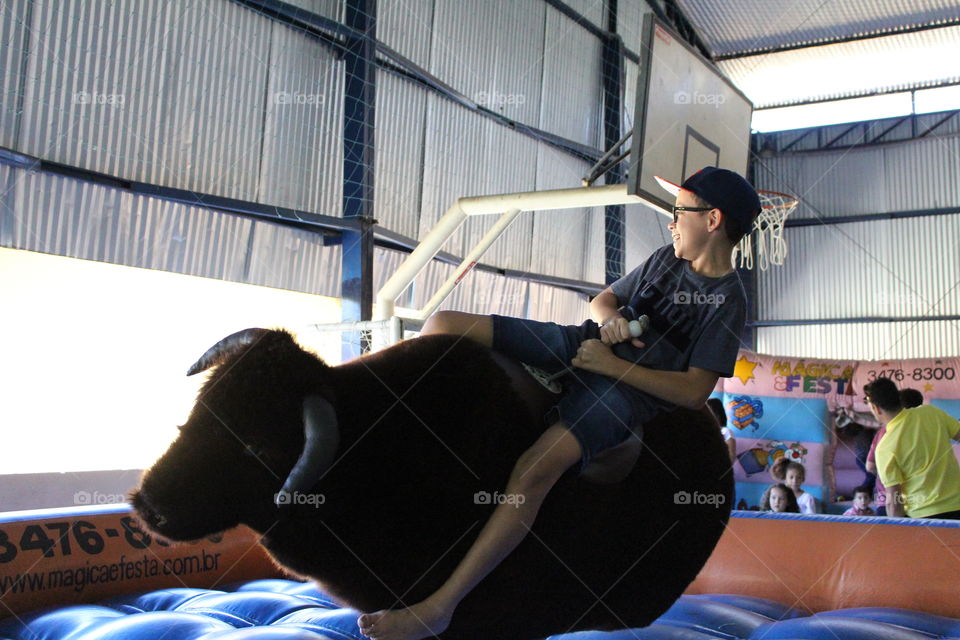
927 388
744 369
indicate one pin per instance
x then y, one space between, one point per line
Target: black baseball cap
724 189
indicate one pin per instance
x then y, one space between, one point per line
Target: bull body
425 428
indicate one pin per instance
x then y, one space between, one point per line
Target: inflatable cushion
288 610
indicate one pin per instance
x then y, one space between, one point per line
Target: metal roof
849 69
793 51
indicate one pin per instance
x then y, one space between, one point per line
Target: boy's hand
616 330
595 356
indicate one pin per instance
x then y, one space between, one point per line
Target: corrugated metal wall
493 53
333 9
571 81
879 268
887 130
170 94
560 238
399 138
874 341
406 27
300 151
216 98
63 216
894 268
14 18
906 176
630 22
482 292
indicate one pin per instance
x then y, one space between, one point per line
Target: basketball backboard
687 115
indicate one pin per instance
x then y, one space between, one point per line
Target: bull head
170 481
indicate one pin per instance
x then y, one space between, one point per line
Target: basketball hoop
768 228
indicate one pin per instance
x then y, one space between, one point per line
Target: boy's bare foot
422 620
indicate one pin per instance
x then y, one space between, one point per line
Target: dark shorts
598 411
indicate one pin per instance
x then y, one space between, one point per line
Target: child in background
861 503
779 499
793 475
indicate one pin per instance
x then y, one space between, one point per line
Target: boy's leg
478 328
614 464
607 423
547 345
534 474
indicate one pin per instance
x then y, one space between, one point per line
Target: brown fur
424 426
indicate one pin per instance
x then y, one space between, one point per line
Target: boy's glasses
676 209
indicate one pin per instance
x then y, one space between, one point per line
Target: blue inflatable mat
284 609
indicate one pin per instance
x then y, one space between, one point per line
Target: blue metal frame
611 77
356 288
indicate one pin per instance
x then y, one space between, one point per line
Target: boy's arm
604 305
689 388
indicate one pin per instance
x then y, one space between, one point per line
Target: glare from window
94 370
833 112
848 68
939 99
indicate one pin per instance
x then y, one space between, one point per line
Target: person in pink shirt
861 503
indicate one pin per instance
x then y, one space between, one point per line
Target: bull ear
322 439
226 348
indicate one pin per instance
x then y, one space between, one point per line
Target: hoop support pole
468 263
509 205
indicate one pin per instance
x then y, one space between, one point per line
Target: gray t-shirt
694 320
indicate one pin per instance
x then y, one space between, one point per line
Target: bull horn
226 348
322 439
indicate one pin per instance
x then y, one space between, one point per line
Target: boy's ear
715 220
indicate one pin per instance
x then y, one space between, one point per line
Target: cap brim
674 189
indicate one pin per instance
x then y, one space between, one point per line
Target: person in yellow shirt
915 458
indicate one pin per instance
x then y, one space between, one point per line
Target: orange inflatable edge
813 563
821 563
80 555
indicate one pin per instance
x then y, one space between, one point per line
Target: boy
861 502
697 310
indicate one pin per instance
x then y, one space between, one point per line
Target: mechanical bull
402 455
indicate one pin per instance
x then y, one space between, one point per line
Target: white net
771 246
328 339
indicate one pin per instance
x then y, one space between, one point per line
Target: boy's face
861 500
690 230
